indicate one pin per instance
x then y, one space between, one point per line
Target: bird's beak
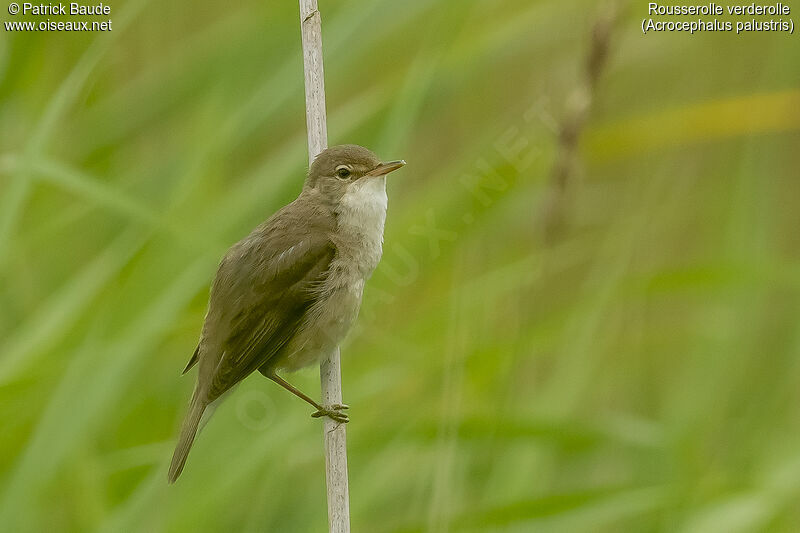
385 168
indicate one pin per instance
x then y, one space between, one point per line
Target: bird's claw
334 413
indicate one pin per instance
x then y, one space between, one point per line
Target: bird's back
263 287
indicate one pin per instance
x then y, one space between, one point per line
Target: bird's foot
334 412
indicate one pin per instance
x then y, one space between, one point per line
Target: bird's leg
334 412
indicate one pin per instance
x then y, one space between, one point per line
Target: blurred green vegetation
639 371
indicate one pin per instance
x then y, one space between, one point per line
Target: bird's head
347 168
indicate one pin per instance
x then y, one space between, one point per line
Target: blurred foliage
640 371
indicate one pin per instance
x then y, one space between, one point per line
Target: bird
287 294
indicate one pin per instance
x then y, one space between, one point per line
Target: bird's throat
363 206
360 217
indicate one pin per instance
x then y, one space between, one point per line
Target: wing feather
257 312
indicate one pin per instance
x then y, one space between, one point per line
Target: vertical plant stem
330 367
580 107
311 28
335 448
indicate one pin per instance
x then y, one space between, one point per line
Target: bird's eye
343 173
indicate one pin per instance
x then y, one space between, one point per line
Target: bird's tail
188 432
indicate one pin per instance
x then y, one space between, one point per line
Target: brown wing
192 360
262 291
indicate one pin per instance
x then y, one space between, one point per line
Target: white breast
361 215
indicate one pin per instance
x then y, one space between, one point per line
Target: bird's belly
325 327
